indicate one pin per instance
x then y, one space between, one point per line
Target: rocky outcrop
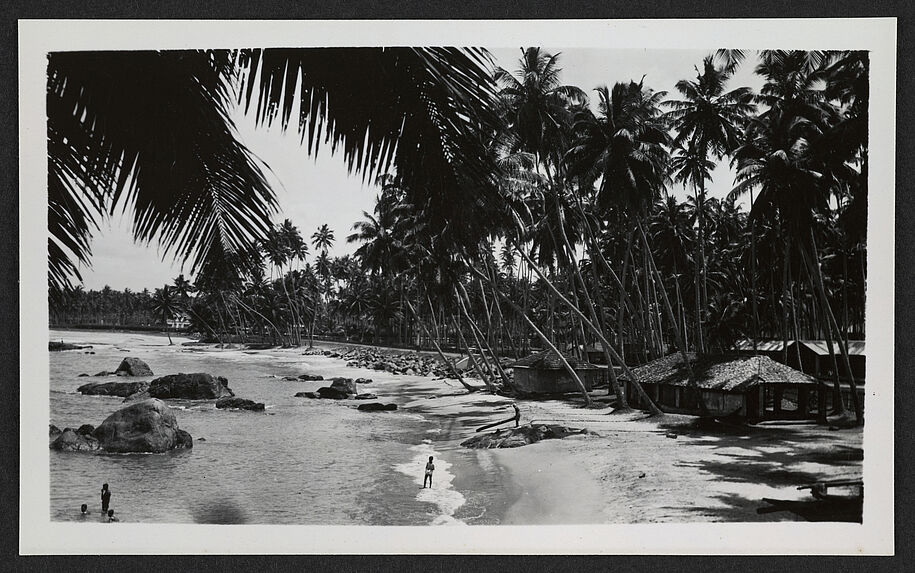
85 429
149 426
131 366
516 437
53 430
122 389
71 441
376 407
311 377
239 404
198 386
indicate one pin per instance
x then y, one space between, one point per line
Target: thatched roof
549 360
720 372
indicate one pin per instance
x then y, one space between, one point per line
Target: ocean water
301 461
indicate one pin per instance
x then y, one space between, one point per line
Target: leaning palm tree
151 132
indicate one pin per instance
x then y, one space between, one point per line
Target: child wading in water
430 467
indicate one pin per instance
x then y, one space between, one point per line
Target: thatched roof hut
755 387
544 373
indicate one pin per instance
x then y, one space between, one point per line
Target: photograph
548 284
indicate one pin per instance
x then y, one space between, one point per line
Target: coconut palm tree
711 121
786 156
165 306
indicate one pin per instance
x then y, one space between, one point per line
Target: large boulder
131 366
71 441
149 426
199 386
333 393
376 407
122 389
344 385
239 403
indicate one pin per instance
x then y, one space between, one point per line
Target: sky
313 191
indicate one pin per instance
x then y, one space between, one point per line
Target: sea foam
441 494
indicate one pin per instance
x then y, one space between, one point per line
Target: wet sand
631 468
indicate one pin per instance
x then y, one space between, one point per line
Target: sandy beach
631 468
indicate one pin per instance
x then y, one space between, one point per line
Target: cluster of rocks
149 426
522 436
347 389
409 363
194 386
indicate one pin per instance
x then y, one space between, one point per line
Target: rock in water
239 403
333 393
122 389
149 426
70 441
344 385
363 380
311 377
365 397
376 407
307 395
133 367
53 430
199 386
85 429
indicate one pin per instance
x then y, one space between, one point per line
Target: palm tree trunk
473 361
546 341
834 331
611 373
633 379
438 349
478 335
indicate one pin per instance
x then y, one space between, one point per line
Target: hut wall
542 381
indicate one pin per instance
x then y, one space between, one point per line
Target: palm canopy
709 118
783 153
622 146
536 109
151 132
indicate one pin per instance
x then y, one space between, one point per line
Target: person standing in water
430 467
84 511
111 517
106 498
